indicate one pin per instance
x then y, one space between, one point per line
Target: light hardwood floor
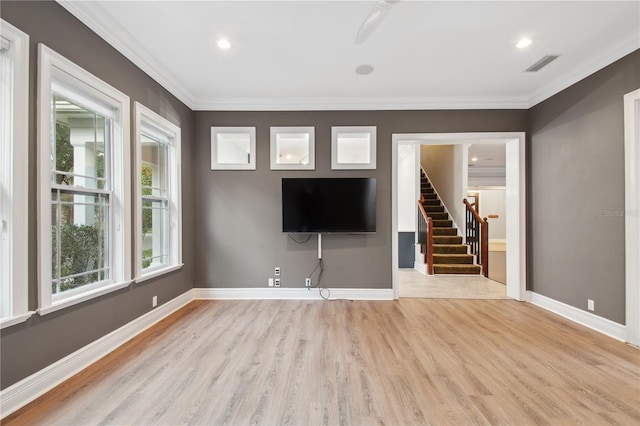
412 361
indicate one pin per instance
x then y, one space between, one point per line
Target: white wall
460 180
407 188
447 169
494 201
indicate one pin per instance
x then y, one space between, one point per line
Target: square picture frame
353 147
293 148
233 148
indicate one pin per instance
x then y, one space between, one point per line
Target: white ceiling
488 155
291 55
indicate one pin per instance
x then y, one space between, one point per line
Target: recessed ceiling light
364 69
223 43
523 43
474 159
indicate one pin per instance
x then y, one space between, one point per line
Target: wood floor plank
413 361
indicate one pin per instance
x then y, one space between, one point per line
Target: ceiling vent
546 60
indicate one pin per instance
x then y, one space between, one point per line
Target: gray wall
240 240
31 346
577 176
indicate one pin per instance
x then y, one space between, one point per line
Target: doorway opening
514 144
487 194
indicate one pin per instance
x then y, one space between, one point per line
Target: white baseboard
592 321
30 388
292 293
420 267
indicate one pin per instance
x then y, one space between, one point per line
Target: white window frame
73 82
337 131
145 118
15 165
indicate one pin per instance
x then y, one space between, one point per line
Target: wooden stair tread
453 258
437 223
450 249
438 215
444 231
450 255
447 239
456 269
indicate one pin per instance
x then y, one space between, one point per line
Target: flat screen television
329 205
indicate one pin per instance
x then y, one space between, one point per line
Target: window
84 214
14 137
158 215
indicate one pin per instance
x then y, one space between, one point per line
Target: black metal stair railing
477 236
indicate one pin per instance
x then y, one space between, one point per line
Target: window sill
65 303
157 272
8 322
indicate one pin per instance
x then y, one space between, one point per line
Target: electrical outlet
277 282
154 301
270 282
307 282
276 271
591 305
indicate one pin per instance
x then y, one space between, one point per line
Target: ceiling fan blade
372 21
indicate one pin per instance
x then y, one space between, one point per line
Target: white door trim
516 199
632 214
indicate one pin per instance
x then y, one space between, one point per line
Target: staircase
450 255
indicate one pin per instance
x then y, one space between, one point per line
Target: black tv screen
328 205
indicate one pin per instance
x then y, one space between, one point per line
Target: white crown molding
98 20
616 50
31 387
358 104
273 293
592 321
487 171
476 182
